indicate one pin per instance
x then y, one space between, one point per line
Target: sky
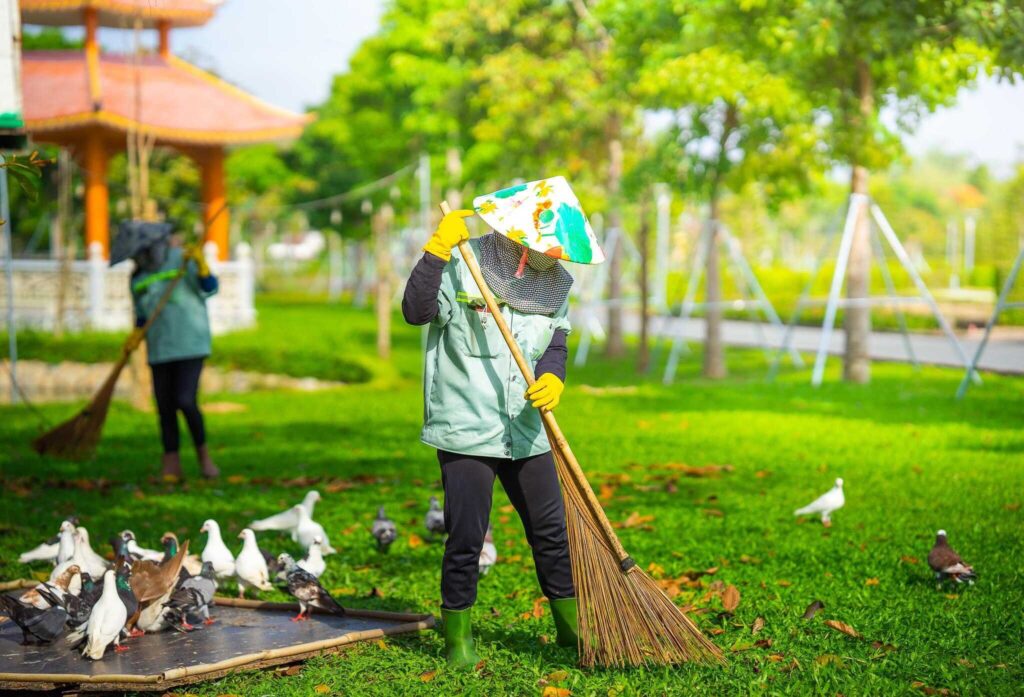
286 51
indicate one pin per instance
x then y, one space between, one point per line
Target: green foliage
913 458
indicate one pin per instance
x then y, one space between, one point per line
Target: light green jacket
183 328
473 400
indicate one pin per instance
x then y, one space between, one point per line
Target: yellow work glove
194 252
449 233
546 392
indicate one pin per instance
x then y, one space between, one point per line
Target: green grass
914 460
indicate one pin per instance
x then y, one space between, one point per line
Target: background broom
76 438
624 617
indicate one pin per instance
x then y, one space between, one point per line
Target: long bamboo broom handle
554 432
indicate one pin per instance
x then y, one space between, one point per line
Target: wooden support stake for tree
382 253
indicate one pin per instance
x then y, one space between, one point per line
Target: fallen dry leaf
871 582
918 685
713 512
784 583
842 627
1012 506
813 609
906 559
415 541
428 676
762 474
634 519
235 479
382 645
757 626
746 559
829 659
321 689
552 691
558 676
731 598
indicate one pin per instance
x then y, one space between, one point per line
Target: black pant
532 486
176 388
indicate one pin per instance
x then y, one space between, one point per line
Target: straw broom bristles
625 619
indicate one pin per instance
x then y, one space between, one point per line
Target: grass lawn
913 460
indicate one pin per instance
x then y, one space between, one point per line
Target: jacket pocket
480 334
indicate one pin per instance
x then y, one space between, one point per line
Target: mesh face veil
538 287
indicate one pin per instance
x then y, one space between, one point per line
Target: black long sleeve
419 303
554 357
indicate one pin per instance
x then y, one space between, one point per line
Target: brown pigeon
946 563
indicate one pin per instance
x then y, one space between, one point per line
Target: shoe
458 639
170 466
566 626
206 466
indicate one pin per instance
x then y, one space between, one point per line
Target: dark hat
133 236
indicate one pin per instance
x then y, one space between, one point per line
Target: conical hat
544 216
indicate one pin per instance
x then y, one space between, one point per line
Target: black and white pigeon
947 564
77 607
433 521
384 530
304 587
203 586
831 500
37 626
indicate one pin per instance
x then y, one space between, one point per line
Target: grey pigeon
434 520
384 530
37 626
304 587
947 564
200 589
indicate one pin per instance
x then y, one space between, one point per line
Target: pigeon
488 553
434 520
86 557
314 560
136 551
831 500
250 566
304 587
216 552
77 607
384 530
308 530
192 563
46 551
38 626
75 585
152 584
287 520
106 620
202 586
946 563
58 587
66 542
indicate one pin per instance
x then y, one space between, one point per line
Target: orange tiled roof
180 103
119 13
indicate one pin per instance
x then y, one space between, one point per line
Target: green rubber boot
564 612
458 639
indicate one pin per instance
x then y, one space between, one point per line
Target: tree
736 117
856 56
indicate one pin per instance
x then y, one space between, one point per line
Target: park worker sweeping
476 410
178 341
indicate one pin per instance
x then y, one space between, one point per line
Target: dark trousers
532 487
176 388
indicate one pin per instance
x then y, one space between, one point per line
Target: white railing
96 296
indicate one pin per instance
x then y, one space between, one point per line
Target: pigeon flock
95 603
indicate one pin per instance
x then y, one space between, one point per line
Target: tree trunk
643 357
714 349
616 345
856 365
382 253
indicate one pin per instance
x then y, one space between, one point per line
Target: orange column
215 213
164 29
97 197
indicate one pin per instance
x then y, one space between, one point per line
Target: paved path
1004 353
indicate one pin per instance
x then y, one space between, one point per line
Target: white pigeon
106 620
250 566
133 548
488 553
308 530
287 520
216 552
87 559
66 542
314 560
43 552
831 500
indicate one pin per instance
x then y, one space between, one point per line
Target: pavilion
89 101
